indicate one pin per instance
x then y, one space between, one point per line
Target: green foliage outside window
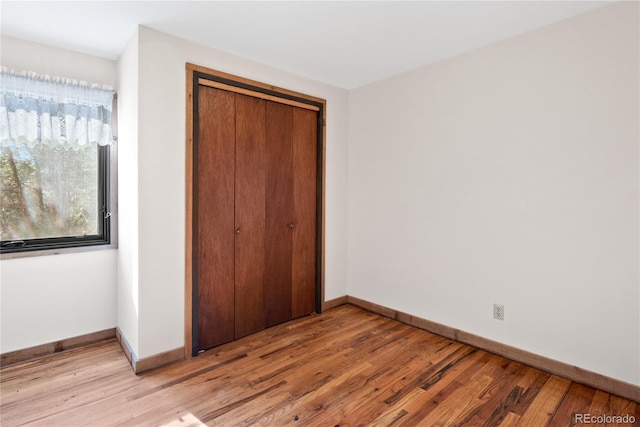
48 192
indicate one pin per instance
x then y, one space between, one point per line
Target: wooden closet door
305 155
254 214
279 213
214 218
250 215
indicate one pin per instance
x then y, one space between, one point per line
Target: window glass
49 191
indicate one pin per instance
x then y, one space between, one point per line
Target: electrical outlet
498 311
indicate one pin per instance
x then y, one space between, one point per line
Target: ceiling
344 43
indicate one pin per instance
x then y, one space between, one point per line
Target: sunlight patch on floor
187 420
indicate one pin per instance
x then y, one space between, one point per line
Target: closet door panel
250 215
214 219
279 213
304 211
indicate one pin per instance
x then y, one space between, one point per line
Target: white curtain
38 109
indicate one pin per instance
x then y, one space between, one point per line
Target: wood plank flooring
345 367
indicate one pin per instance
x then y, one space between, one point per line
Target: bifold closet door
214 219
255 214
279 213
290 212
250 215
305 159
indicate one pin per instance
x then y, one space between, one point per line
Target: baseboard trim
48 349
126 348
148 363
333 303
552 366
159 360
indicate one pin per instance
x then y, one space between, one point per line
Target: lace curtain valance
38 109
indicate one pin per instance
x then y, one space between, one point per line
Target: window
55 138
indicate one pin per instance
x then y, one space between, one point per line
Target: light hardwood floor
345 367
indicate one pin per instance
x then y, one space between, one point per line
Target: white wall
49 298
128 220
161 150
22 55
509 174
